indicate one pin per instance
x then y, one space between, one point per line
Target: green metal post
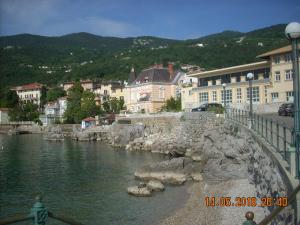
296 84
39 212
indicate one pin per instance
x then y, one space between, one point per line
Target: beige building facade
281 74
150 90
236 93
272 84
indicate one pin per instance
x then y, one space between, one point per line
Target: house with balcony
54 111
29 92
109 89
148 91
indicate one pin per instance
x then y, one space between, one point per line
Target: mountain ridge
83 55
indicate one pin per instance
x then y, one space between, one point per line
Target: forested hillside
27 58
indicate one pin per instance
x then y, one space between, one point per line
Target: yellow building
281 78
272 84
149 91
109 89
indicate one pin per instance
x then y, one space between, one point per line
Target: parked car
207 107
286 109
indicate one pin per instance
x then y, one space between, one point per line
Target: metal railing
280 137
38 215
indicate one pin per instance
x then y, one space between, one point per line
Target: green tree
8 98
113 105
172 105
121 104
43 96
73 111
24 112
106 106
55 93
88 105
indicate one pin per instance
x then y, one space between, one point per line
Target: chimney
132 76
171 69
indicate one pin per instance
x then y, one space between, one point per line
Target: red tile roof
4 109
30 86
88 119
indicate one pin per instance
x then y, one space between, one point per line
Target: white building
29 92
54 111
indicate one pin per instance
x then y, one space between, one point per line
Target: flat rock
139 191
165 177
155 185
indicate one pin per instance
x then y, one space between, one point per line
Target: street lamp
224 97
250 78
292 31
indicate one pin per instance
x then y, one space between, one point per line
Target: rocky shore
219 157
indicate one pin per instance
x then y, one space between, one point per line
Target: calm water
85 181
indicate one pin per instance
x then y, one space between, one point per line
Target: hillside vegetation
27 58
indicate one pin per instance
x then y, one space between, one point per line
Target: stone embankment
202 147
54 134
30 128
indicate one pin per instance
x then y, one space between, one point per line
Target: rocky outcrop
211 149
118 135
84 135
54 134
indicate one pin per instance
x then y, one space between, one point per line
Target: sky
175 19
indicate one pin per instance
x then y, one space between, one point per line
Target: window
274 96
239 95
161 92
228 96
105 92
288 75
214 95
266 94
289 96
255 94
203 97
113 90
277 59
277 76
190 92
288 57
